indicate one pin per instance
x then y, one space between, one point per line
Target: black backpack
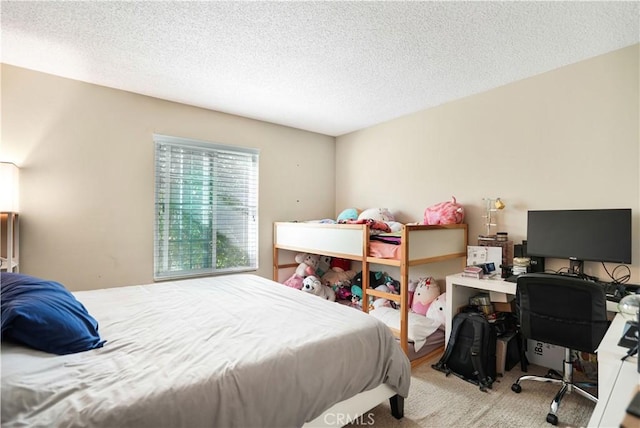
471 350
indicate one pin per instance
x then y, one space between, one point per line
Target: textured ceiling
329 67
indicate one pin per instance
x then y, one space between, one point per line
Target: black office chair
564 311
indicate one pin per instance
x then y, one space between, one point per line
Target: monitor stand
576 267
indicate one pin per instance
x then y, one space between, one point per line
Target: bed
234 350
419 245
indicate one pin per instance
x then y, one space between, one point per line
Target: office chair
564 311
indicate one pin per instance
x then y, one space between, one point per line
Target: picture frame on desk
479 255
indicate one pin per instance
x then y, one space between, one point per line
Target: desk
617 379
460 288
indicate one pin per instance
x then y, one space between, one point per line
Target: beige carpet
436 400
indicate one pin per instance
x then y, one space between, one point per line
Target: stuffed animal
324 264
337 262
436 310
343 291
308 265
381 301
376 278
426 291
348 214
449 212
380 214
338 277
412 289
356 295
312 284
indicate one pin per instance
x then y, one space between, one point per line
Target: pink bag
449 212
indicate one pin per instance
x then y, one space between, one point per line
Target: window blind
206 208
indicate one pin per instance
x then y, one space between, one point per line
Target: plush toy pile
334 274
426 299
332 279
339 277
308 264
377 281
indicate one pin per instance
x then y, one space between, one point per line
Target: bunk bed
419 245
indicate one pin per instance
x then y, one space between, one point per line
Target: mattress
434 341
420 328
236 350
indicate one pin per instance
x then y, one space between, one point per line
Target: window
206 208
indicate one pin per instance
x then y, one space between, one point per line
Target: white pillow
420 327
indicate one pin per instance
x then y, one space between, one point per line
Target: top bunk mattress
352 240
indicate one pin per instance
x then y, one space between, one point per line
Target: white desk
617 379
460 288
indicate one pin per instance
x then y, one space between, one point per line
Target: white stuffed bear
436 310
308 265
312 284
380 214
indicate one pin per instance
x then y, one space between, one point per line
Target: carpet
436 400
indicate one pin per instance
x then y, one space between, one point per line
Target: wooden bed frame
420 245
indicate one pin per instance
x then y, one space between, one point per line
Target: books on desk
473 272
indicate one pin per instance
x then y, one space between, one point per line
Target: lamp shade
9 177
629 307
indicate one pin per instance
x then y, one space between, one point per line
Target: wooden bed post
404 291
276 270
466 244
365 269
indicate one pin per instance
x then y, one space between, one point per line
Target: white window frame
181 162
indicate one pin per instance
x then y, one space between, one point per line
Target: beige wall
87 174
565 139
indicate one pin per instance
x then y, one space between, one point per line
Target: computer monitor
601 235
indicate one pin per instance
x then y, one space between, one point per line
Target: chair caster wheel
516 388
552 419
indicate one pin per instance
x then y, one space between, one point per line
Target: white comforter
234 350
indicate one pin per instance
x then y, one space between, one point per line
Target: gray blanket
235 350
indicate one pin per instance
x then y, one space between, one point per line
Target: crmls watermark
341 419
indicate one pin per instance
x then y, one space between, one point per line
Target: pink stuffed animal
449 212
427 290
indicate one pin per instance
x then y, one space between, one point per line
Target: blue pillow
45 316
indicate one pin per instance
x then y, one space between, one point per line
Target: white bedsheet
420 327
234 350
